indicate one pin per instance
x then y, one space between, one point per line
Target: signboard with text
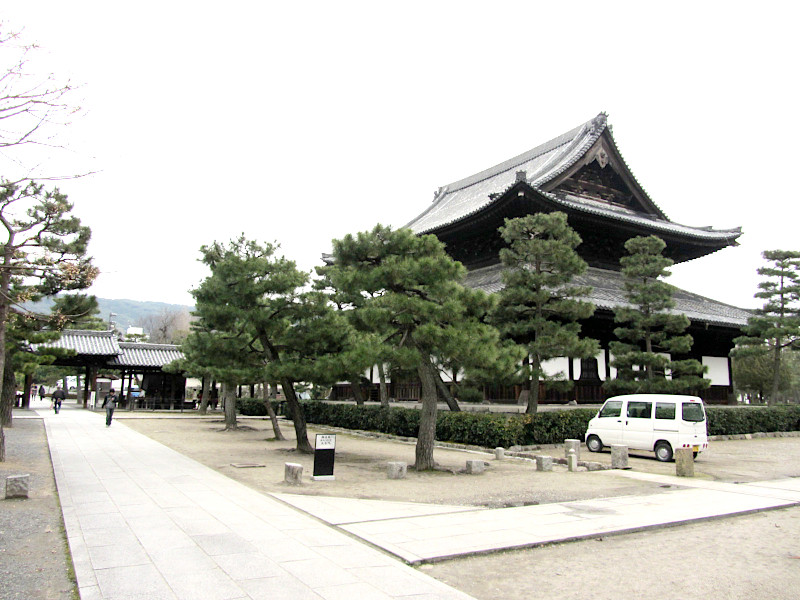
324 450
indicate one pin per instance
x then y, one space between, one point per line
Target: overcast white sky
299 122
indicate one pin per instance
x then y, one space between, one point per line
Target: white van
658 423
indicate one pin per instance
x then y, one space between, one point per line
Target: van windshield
613 408
693 411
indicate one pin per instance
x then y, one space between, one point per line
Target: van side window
612 408
693 411
640 410
665 410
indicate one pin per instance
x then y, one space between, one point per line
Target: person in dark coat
110 403
58 397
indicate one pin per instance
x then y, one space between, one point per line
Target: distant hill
128 313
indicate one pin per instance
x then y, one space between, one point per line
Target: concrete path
146 523
443 534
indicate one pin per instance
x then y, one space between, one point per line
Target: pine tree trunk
427 419
229 407
776 374
9 394
525 393
533 383
448 397
205 392
26 392
5 287
276 429
298 417
355 385
384 389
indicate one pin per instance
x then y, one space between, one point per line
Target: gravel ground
34 559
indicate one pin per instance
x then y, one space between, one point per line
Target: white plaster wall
556 365
717 370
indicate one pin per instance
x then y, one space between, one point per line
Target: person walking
110 403
42 392
58 397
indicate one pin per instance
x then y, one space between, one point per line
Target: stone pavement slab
144 522
339 511
459 531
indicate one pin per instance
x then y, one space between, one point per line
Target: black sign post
324 449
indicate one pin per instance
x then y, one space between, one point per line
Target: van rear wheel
663 451
594 444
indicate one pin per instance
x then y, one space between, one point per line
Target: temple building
583 174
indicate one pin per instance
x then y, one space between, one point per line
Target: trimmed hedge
488 430
491 430
253 407
733 420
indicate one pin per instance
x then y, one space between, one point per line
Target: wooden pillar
26 390
86 382
122 386
130 387
607 354
164 391
93 382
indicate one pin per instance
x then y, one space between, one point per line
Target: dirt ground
752 556
360 466
34 561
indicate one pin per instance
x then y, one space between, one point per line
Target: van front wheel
663 451
594 444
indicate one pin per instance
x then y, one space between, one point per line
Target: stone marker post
475 467
619 456
499 453
572 445
396 470
572 461
17 486
684 462
544 463
293 473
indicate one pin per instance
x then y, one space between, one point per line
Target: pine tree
539 307
649 331
414 298
775 327
43 253
256 323
245 308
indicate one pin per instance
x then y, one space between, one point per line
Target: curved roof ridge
565 138
598 126
147 344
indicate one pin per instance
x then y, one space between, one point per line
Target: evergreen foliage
540 306
257 323
413 298
775 327
650 333
44 252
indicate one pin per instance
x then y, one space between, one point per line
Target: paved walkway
146 522
443 534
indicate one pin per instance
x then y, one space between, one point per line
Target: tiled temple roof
118 354
608 293
136 354
87 342
459 200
